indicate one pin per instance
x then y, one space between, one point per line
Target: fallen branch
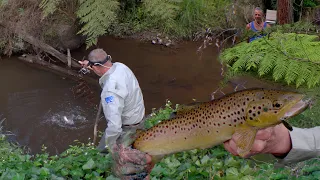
39 44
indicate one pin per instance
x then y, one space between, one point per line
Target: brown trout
206 124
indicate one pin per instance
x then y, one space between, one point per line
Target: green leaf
111 177
246 170
205 159
18 176
44 172
231 162
158 170
89 165
247 178
64 172
232 171
37 163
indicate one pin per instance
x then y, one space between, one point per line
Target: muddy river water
39 107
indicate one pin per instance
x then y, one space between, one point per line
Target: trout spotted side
207 124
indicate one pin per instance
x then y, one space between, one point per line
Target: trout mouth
296 109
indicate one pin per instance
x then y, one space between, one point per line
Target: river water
40 109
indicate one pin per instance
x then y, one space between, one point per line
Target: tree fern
314 77
289 57
49 6
292 72
253 62
241 64
267 64
280 69
304 75
97 16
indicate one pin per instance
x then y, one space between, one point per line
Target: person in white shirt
122 103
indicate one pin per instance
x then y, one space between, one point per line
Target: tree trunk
285 11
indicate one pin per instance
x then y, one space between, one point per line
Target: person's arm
248 26
112 107
305 145
288 147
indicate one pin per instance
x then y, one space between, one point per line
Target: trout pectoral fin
246 136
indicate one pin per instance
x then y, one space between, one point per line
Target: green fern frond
292 72
97 16
49 6
304 74
287 57
267 64
280 69
230 55
241 64
254 62
314 79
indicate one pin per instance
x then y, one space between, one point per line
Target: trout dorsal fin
182 109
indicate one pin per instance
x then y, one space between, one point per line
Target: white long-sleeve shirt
122 100
305 145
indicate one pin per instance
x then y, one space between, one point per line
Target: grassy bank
82 161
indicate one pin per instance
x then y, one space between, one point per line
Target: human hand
131 163
84 64
273 140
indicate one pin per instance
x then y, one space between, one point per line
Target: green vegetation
310 3
288 57
181 18
82 161
178 18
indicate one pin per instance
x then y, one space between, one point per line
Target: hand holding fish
131 163
273 140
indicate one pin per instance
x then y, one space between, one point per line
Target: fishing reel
84 71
